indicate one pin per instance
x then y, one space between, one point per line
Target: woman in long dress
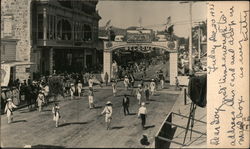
9 110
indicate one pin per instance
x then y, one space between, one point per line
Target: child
56 114
9 109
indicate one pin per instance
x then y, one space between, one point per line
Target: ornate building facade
54 34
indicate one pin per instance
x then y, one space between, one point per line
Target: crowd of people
38 93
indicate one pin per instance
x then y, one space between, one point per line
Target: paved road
82 127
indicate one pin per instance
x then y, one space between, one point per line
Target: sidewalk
197 140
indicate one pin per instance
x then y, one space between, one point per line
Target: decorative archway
171 47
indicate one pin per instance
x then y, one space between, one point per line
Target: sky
153 14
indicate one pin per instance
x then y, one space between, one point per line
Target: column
51 51
44 26
173 71
107 61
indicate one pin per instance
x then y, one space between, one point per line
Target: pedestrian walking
142 113
46 93
9 110
108 114
56 113
106 78
162 79
125 104
126 82
72 91
152 87
91 98
40 100
114 87
79 88
146 90
90 82
139 94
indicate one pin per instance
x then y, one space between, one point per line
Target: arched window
64 30
87 33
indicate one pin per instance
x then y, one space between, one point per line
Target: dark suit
125 104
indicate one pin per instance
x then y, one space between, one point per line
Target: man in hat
125 104
9 109
108 113
142 113
126 82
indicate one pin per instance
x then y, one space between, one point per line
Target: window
7 25
64 30
87 33
40 26
2 49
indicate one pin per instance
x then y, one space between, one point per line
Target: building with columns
54 34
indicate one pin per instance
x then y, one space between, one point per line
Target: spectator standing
125 104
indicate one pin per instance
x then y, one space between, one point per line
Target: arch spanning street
171 47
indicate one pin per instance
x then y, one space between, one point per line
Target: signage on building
141 48
139 36
5 74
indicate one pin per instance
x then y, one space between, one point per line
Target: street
82 127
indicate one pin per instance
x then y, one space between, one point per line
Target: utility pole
190 39
199 42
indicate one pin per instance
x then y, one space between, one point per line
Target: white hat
9 99
143 103
152 79
108 102
126 76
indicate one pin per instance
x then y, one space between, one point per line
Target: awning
16 63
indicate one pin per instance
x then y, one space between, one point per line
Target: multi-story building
54 34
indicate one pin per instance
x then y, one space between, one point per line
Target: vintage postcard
124 74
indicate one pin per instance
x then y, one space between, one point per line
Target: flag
169 26
107 26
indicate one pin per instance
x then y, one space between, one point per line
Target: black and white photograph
103 74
